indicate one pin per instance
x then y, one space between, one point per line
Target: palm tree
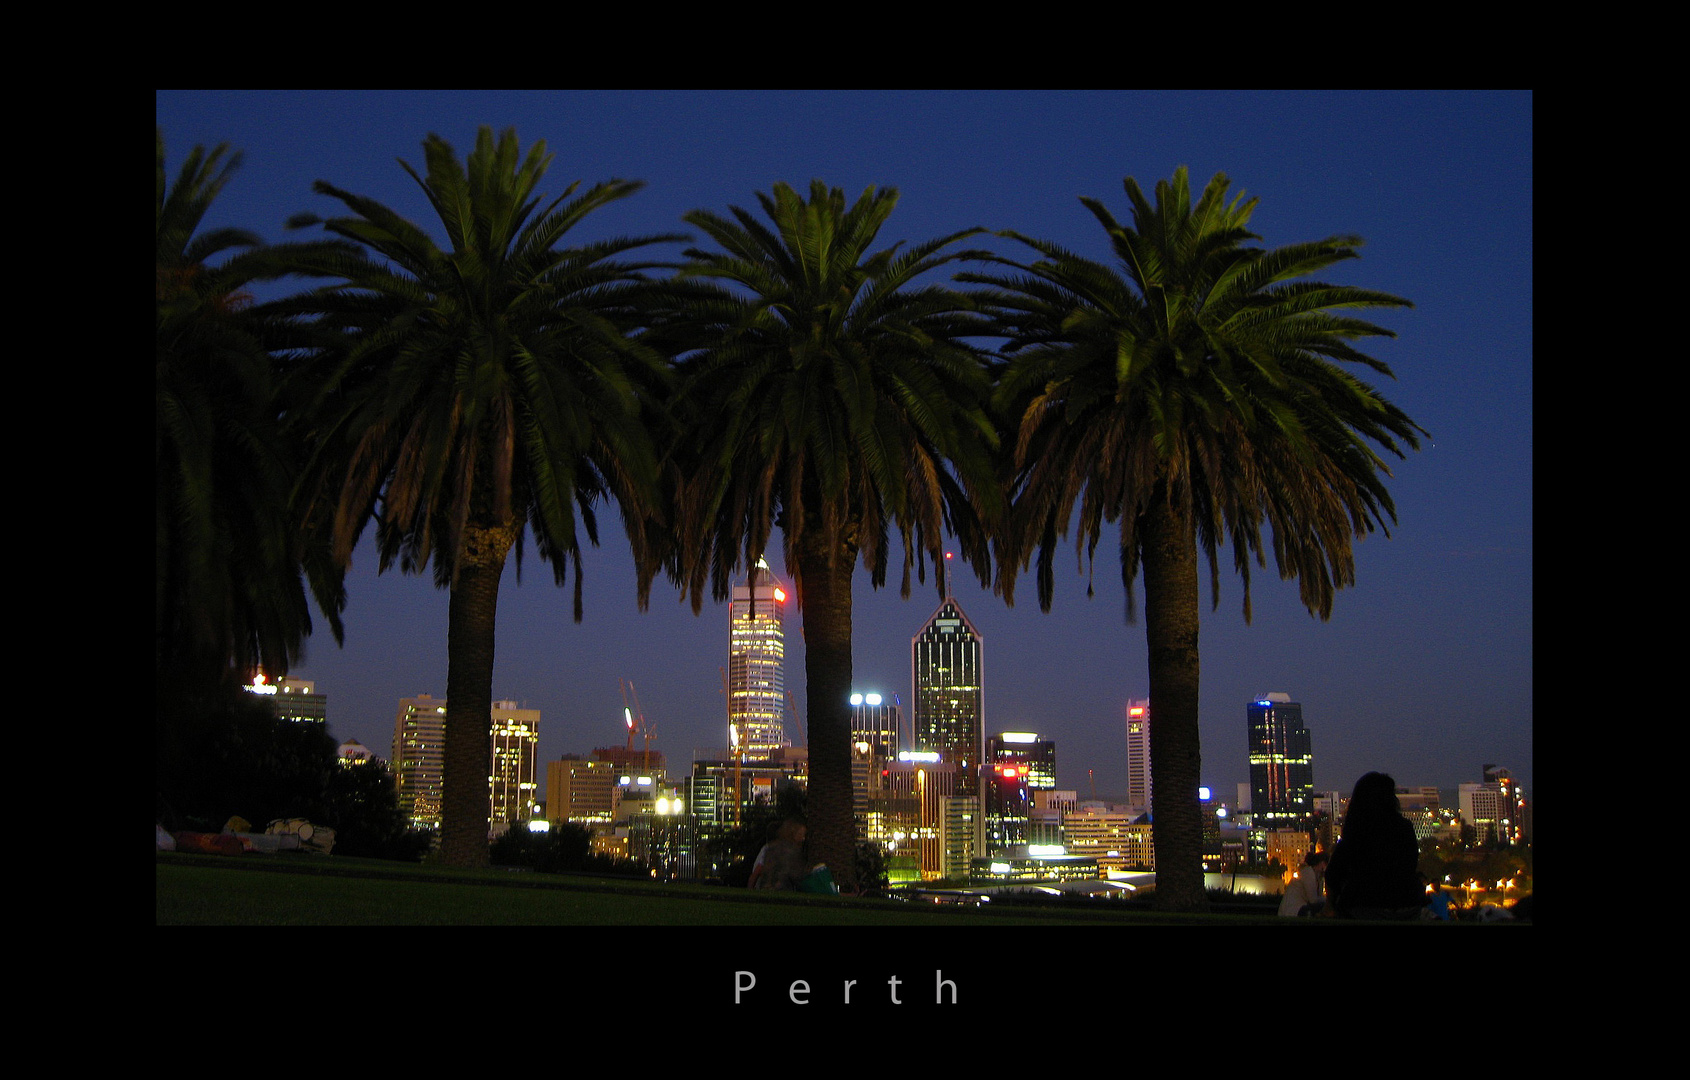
228 591
1191 392
832 395
475 391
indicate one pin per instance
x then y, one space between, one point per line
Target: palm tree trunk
1169 557
466 800
826 602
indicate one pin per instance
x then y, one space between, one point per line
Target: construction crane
636 716
797 718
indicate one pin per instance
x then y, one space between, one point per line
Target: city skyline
1424 670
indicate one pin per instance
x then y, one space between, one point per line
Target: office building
948 693
353 752
1281 764
1117 839
419 761
514 771
1018 763
630 760
579 790
1517 818
757 664
1495 808
1281 776
912 807
877 722
961 835
1138 756
292 699
710 790
419 758
1035 757
1006 806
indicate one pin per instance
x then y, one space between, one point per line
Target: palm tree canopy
1201 370
842 394
494 379
228 581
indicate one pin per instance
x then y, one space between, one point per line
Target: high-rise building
1138 756
514 771
1281 764
1517 820
419 760
948 697
579 790
1035 757
757 664
876 723
919 782
419 757
1006 806
292 699
1495 808
961 835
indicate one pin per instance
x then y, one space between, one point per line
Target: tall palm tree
475 391
831 394
1191 392
229 593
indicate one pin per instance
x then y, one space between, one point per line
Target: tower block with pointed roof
948 698
757 664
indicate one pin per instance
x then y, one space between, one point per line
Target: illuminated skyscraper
1138 756
1281 764
419 761
419 757
514 771
945 669
756 664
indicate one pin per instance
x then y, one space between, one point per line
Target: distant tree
362 805
564 846
233 757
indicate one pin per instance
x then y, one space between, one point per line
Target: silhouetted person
1373 873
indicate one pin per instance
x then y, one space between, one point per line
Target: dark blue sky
1424 670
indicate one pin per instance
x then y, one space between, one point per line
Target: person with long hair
781 865
1373 872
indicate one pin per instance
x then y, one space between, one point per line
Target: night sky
1423 671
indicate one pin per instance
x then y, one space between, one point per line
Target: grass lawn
309 890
